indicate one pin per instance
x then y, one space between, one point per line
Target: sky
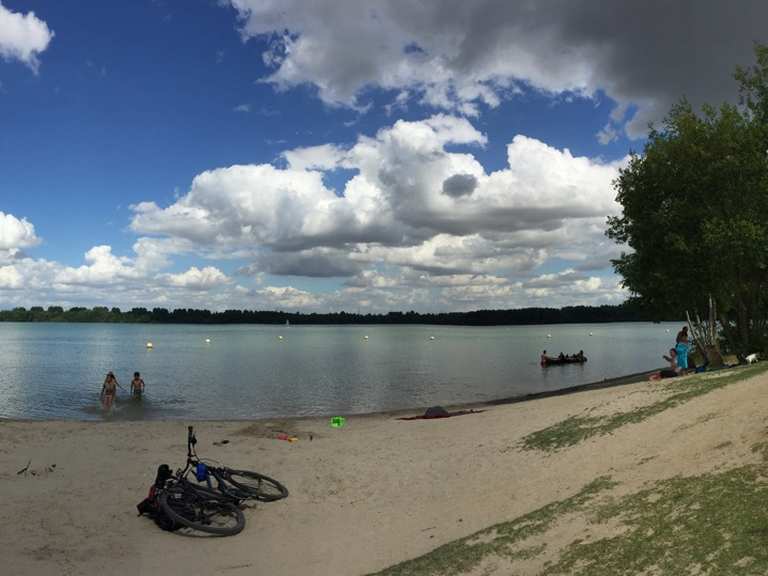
354 155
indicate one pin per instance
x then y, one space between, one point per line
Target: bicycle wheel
189 508
260 487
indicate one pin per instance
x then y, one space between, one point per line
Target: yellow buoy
150 345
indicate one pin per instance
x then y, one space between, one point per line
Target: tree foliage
571 314
695 212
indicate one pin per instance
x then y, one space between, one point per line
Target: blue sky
175 153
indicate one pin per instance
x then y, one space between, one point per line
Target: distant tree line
626 312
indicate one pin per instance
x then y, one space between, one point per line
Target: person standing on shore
681 348
137 386
109 390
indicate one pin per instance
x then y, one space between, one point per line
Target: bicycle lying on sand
208 498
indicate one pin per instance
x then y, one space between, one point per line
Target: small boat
549 361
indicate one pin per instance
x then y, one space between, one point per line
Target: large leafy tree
695 212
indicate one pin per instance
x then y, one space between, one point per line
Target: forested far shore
626 312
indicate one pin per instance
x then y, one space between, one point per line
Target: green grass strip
575 429
709 524
461 556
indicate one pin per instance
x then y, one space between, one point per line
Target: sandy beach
377 492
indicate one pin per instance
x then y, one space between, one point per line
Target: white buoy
667 330
207 340
549 335
365 337
591 334
150 345
279 337
431 337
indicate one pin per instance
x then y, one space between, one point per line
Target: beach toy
337 421
150 345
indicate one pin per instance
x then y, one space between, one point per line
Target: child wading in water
137 386
109 390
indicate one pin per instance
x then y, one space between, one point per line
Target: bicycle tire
262 488
197 512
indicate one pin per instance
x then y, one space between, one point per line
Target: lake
247 371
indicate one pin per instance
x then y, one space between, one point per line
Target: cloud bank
460 56
419 224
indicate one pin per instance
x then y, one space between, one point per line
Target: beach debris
27 470
337 421
311 437
221 443
752 358
440 412
286 437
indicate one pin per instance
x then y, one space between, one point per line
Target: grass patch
575 429
714 523
501 540
709 524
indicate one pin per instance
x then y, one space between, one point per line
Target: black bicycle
230 484
189 506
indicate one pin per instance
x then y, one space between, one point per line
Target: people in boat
109 390
137 386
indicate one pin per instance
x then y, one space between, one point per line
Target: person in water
544 357
137 386
109 390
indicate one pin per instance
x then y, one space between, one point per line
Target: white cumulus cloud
23 37
16 233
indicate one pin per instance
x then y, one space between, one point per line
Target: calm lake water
56 370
